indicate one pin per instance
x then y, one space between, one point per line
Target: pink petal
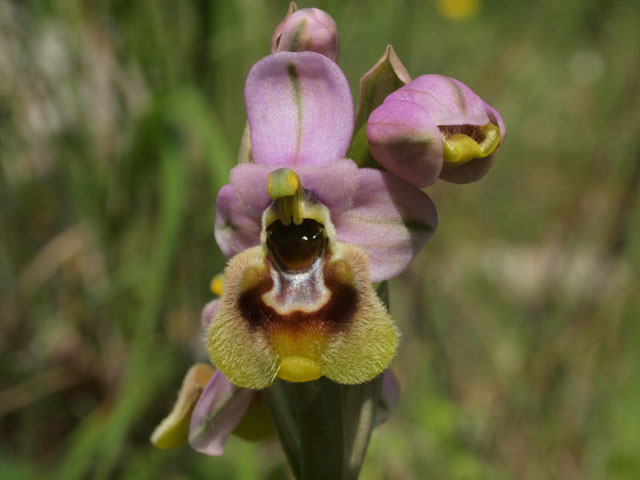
219 409
208 312
469 172
390 219
405 140
448 101
300 110
249 182
389 397
333 184
234 229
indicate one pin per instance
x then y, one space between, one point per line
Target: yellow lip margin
459 148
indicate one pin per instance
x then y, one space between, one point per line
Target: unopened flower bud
309 29
435 127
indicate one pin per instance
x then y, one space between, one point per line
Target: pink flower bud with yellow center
435 127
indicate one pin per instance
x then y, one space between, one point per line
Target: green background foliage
119 121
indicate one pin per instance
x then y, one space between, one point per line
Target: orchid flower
276 221
435 127
307 230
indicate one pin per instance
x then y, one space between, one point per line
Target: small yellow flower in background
458 9
217 282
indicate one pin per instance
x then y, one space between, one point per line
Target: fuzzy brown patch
335 315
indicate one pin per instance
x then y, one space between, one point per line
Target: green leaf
359 149
385 77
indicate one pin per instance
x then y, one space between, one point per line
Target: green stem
324 427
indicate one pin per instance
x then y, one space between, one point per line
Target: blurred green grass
120 120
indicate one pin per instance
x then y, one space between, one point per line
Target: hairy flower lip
477 133
246 315
300 324
249 338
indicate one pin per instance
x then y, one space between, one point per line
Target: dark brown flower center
295 247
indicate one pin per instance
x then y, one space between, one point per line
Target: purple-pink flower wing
235 230
389 219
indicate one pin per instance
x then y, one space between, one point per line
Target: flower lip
463 143
300 305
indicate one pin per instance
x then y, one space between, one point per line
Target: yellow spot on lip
299 354
299 369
